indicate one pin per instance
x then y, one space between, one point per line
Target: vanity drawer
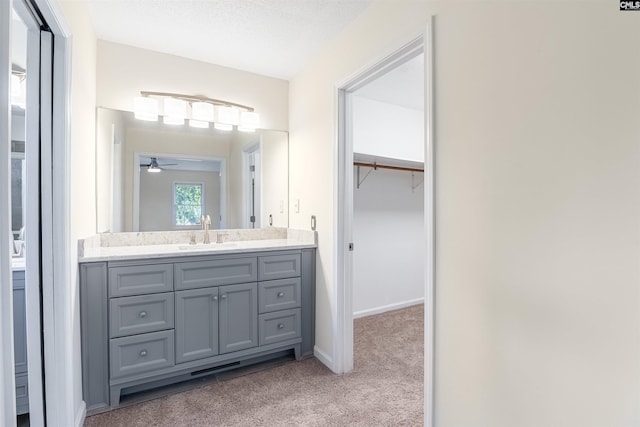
278 266
140 314
141 353
277 295
279 326
202 274
140 279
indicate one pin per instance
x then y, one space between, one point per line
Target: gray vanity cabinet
215 320
152 322
238 317
196 324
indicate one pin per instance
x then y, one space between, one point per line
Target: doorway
387 116
345 209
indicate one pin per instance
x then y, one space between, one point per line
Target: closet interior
388 195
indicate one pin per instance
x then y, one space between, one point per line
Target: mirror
155 177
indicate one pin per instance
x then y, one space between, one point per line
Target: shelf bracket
415 185
360 181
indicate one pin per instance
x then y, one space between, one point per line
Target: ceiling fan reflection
154 166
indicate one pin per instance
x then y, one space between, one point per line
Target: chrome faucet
206 222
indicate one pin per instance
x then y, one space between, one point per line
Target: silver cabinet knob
223 296
214 297
280 325
143 314
280 294
143 353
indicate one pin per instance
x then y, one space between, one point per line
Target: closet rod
377 166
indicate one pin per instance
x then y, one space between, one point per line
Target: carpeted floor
384 389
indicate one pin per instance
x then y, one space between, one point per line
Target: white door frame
343 270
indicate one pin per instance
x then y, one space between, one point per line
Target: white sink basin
209 246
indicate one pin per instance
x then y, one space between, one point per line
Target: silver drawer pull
214 297
280 294
143 353
143 314
280 325
223 296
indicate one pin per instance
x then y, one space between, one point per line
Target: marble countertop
292 240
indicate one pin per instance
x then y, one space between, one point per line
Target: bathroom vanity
153 315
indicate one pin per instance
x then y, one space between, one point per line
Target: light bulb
228 115
202 111
175 111
145 108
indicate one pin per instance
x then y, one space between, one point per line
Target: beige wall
537 203
123 71
275 178
82 174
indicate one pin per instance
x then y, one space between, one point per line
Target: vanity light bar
223 114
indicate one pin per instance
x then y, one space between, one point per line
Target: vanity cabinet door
238 317
196 324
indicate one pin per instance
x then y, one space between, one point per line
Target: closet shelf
375 165
372 162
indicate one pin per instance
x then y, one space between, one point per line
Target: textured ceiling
269 37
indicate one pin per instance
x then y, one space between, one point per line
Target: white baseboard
389 307
323 358
81 414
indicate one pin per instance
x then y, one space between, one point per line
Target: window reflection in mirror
131 198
